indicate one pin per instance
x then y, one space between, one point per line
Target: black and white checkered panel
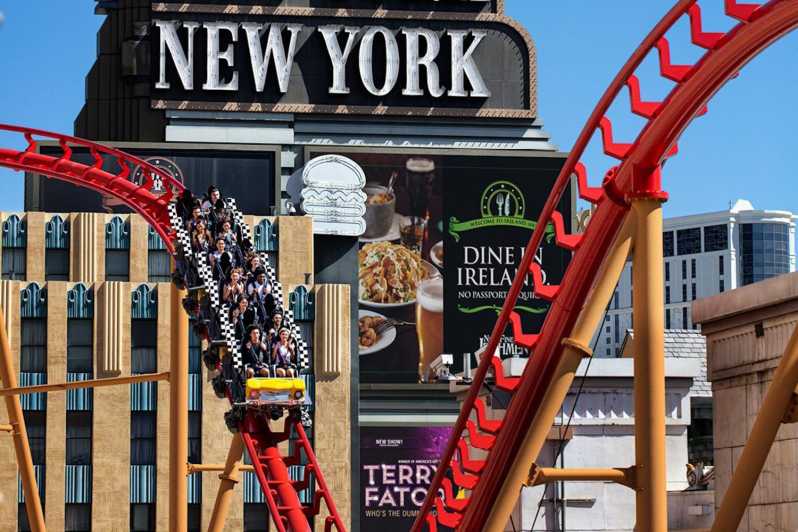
303 360
229 334
238 218
183 238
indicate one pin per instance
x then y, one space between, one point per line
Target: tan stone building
747 330
86 296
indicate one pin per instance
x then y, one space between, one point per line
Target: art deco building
85 296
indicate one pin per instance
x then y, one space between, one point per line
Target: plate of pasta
389 275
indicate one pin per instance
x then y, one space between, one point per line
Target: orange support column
178 416
33 504
649 367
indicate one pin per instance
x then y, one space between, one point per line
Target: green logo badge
502 204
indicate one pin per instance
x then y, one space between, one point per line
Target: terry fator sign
300 60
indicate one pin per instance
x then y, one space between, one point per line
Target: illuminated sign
312 60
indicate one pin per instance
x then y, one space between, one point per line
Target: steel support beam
545 475
95 383
229 479
771 414
211 468
33 504
576 348
178 415
649 367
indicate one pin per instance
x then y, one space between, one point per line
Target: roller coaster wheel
219 386
233 418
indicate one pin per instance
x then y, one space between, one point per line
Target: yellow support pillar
229 479
33 504
178 415
649 367
776 404
576 348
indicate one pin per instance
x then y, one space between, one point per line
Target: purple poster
397 467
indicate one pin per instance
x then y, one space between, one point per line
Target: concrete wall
747 330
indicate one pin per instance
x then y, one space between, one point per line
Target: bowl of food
375 333
380 209
389 275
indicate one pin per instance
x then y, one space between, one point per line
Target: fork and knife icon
503 202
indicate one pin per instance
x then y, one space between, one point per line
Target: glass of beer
411 232
429 324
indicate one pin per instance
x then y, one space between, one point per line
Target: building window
256 519
692 268
693 290
117 264
194 517
36 423
765 251
721 266
608 352
117 250
80 345
684 292
615 300
684 269
78 438
699 433
667 318
144 346
609 341
14 241
77 518
721 286
667 244
617 329
142 438
195 437
159 266
667 272
33 345
142 517
667 295
685 324
716 237
56 243
688 241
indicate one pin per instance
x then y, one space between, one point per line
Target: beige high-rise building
85 295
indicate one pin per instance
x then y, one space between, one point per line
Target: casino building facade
434 98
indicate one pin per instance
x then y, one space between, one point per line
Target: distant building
706 254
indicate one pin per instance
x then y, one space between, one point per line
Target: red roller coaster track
725 54
110 172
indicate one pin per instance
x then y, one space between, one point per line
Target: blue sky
743 148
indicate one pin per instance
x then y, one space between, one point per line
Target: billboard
397 465
440 252
247 176
303 60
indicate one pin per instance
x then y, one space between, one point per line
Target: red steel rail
143 197
694 86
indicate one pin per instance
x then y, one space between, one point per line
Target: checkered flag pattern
183 238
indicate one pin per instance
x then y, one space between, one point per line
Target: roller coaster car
285 392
